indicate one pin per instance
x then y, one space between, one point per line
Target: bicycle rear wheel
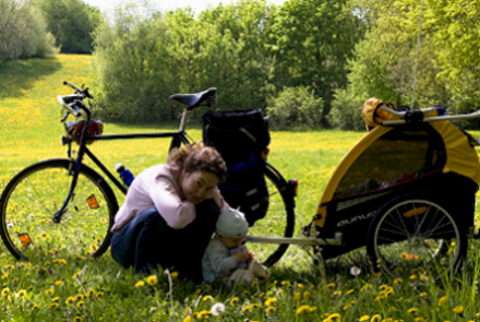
32 198
279 220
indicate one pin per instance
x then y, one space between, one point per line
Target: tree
23 31
72 22
311 42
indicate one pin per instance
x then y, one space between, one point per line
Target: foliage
248 50
72 22
141 61
311 42
346 111
295 107
23 31
384 61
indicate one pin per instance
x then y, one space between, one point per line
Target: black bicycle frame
178 137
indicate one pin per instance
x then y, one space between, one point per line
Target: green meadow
61 286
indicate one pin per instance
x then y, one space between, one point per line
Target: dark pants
147 241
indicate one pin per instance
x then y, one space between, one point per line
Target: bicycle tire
35 194
410 235
278 222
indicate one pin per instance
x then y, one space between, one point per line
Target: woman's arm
177 213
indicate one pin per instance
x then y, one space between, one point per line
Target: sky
166 5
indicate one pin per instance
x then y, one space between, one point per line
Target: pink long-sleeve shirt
157 187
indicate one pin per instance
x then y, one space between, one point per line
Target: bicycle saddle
195 100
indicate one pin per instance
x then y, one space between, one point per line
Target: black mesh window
400 155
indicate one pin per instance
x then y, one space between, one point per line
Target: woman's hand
217 197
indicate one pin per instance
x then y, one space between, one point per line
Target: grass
61 285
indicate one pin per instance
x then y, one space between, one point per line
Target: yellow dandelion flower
9 266
303 308
152 280
99 295
364 318
70 300
56 299
296 295
254 284
270 309
442 300
397 281
346 307
255 306
336 293
423 294
188 319
208 298
270 301
331 285
35 307
458 309
300 285
4 276
5 291
376 318
246 293
58 283
350 291
22 293
246 309
412 277
205 314
383 286
79 297
413 310
187 311
234 301
285 283
334 317
77 319
53 305
90 294
306 294
312 309
81 304
139 284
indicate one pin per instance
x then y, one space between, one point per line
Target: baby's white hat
232 223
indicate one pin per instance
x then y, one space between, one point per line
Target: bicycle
64 203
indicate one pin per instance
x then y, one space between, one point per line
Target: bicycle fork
76 172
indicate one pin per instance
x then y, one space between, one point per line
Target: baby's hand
241 256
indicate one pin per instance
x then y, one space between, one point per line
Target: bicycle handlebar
404 115
72 103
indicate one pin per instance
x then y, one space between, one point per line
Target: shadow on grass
20 75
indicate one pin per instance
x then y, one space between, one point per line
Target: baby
225 253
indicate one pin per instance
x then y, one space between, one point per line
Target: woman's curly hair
197 157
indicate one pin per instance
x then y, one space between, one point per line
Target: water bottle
125 174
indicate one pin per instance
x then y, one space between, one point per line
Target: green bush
346 111
295 107
23 31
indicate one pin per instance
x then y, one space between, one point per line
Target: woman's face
198 185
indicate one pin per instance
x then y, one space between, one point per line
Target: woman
170 213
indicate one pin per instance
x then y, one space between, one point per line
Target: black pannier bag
240 136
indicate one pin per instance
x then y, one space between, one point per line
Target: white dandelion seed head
217 309
355 271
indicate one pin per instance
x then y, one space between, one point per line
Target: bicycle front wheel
33 197
279 220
